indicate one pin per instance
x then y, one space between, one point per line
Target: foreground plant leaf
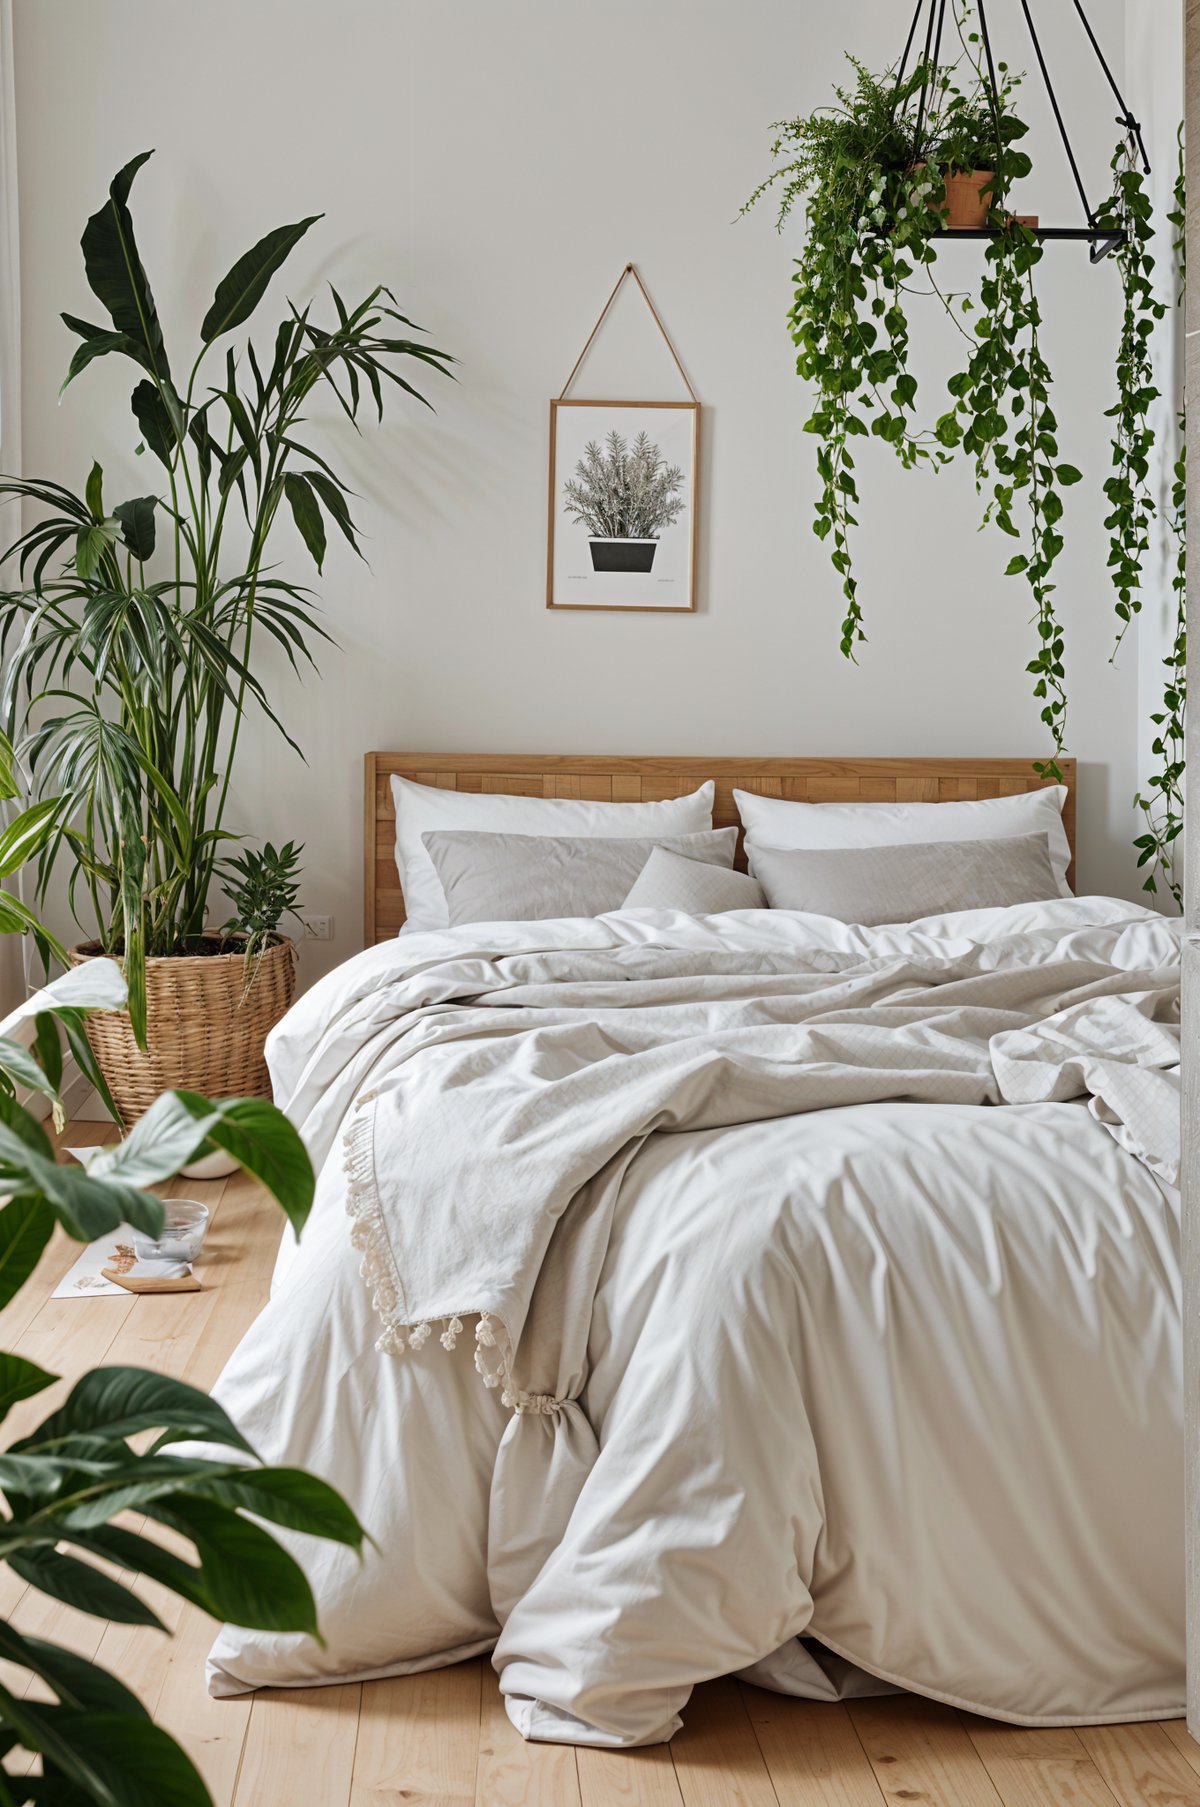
181 1127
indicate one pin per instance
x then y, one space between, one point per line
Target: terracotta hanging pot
968 199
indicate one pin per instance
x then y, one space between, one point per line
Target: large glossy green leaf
137 525
83 329
78 1584
47 1046
167 1137
239 293
143 1556
307 513
39 1479
21 1067
24 1125
179 1127
99 346
157 427
123 1481
115 274
23 1723
251 1578
94 985
20 1379
26 1224
75 1681
87 1208
27 834
288 1497
119 1402
72 1025
122 1761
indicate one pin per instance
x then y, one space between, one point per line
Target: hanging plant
881 173
1003 418
898 160
1162 811
1128 487
869 221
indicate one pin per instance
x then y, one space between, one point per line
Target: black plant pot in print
622 555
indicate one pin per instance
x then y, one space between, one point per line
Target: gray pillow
527 877
871 885
671 881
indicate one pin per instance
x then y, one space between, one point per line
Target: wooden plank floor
443 1739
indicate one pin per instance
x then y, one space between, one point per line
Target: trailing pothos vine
868 214
874 173
1132 507
1003 417
1162 810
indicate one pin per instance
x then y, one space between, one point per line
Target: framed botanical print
624 482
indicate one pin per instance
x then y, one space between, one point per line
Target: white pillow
423 809
772 822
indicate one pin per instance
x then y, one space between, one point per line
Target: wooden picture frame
611 572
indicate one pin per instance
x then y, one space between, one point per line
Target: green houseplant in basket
131 632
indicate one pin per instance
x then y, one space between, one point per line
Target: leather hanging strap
629 270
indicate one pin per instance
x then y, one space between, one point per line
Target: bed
754 1293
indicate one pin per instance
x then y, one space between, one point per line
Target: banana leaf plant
130 636
70 1486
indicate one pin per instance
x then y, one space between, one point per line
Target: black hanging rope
924 81
1062 130
993 91
1101 238
1126 119
907 47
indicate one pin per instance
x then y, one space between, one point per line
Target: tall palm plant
128 672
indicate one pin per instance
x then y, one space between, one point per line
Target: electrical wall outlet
318 928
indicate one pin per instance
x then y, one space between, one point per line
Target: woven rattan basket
205 1028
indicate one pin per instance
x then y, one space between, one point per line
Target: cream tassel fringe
369 1234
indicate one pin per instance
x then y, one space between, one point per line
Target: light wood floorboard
443 1739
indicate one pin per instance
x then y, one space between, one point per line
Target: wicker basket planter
204 1027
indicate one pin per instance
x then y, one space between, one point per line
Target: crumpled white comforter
792 1354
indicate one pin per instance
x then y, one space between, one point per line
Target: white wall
497 161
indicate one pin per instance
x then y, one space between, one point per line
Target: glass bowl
185 1225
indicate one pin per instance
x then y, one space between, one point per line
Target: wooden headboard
619 780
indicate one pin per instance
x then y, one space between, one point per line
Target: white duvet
828 1282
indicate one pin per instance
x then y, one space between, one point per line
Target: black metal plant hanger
1102 239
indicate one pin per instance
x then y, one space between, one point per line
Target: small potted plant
625 497
232 984
966 138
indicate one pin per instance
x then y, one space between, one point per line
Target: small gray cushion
528 878
672 881
871 885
